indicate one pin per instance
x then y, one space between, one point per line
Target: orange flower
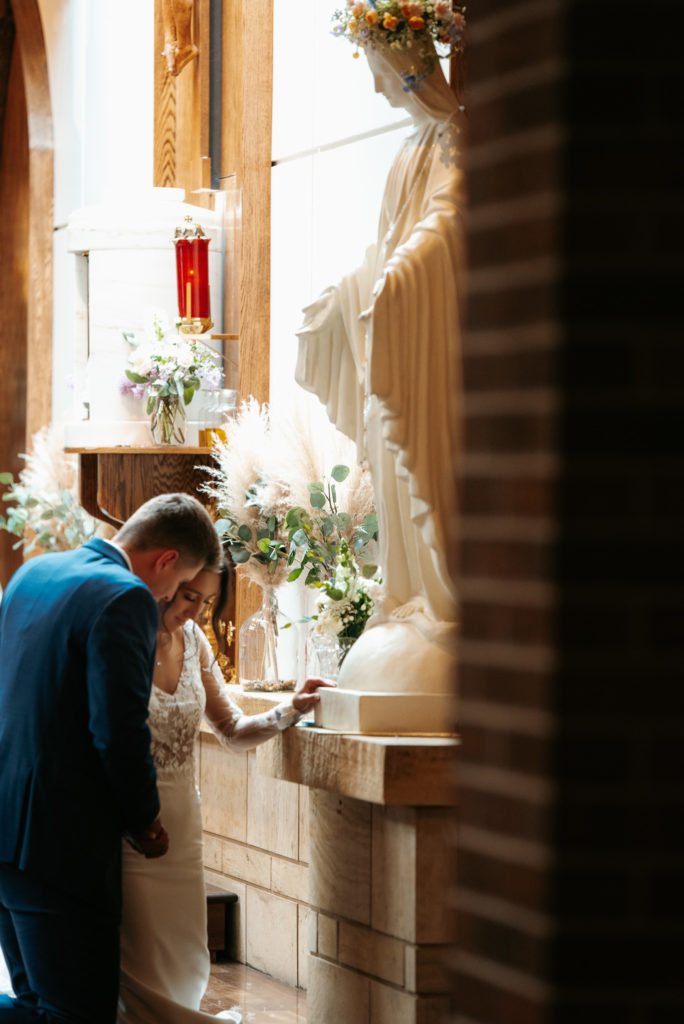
359 9
390 22
353 26
416 23
372 17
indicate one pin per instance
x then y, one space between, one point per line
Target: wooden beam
41 205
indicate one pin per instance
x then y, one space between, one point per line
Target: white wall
101 85
327 183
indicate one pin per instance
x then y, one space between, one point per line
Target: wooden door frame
31 42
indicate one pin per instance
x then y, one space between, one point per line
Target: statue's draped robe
381 351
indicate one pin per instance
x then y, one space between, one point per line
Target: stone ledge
417 771
398 770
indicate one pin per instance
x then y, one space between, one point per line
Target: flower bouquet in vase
167 370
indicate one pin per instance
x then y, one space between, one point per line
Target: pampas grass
284 450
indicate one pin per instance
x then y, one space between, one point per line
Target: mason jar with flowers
166 370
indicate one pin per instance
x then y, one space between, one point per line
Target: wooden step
220 922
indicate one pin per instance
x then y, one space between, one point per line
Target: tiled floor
257 997
260 999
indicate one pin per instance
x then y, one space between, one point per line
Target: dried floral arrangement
42 510
268 484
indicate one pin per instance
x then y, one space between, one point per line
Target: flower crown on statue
399 25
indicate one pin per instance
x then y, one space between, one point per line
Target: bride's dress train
164 956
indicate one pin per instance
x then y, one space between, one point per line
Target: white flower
140 360
185 356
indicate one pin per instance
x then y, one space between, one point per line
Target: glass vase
167 421
329 651
258 648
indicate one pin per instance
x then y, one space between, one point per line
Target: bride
164 955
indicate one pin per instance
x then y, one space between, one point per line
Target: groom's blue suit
77 640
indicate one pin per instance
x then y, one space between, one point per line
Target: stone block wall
256 845
381 927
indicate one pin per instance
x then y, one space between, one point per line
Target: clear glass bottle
257 647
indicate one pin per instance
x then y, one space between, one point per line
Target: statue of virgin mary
381 350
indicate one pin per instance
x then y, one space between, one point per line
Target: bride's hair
226 590
225 570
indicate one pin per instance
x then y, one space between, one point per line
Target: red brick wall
571 844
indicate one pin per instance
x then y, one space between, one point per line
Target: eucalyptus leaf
295 574
369 570
264 544
239 554
339 472
6 478
136 378
317 499
244 532
316 485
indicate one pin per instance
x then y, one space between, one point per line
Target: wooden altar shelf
114 481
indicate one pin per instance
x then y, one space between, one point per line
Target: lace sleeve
232 728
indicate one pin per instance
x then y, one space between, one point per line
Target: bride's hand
306 696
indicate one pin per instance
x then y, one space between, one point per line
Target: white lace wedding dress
164 955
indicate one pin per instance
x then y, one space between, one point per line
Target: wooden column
40 215
26 202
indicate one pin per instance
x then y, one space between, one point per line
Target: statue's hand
321 312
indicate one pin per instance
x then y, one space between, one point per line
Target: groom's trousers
62 953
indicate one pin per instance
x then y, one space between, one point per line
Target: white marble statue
381 350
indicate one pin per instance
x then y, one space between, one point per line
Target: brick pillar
570 867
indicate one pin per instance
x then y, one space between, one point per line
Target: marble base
356 711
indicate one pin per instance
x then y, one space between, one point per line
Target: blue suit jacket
77 642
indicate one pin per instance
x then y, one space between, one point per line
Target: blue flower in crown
412 82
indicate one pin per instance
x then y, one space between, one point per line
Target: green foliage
315 537
309 540
262 543
56 522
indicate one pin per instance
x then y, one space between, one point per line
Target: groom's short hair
173 521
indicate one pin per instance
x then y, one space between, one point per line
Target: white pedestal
356 711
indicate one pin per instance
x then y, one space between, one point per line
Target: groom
77 641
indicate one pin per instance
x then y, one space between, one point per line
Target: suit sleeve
120 658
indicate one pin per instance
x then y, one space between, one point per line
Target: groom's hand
153 842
